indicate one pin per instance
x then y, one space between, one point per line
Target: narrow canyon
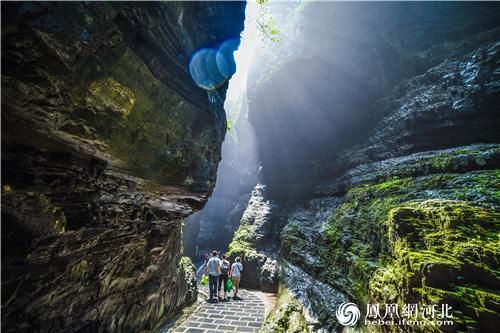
347 152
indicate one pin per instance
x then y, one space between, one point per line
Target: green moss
423 239
292 239
185 264
393 183
455 160
286 316
111 94
80 269
441 162
56 214
479 300
241 245
438 245
332 233
153 131
241 248
151 186
187 268
438 181
60 221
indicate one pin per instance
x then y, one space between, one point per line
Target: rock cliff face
382 180
107 146
342 65
214 227
257 241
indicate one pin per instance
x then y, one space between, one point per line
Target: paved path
244 315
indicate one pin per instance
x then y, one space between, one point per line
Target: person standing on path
213 270
235 275
205 257
225 266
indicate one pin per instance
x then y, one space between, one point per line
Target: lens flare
225 57
210 67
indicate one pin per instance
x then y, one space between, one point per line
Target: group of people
219 271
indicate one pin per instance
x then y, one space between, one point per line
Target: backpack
224 267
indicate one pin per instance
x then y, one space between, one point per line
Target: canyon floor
247 314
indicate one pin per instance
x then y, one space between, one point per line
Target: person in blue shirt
213 269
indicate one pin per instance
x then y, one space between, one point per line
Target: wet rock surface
257 242
400 239
319 300
107 146
386 193
287 315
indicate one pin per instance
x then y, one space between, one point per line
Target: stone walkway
245 315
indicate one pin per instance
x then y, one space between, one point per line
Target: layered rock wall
381 168
214 227
107 146
331 82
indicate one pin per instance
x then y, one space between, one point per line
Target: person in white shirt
235 275
213 270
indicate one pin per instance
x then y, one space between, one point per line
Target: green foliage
266 24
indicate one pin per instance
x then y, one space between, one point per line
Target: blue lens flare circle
210 67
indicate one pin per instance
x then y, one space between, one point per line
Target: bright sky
250 43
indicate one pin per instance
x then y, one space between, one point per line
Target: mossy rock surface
257 242
427 240
286 316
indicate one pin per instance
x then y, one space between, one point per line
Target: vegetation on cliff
286 316
427 239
